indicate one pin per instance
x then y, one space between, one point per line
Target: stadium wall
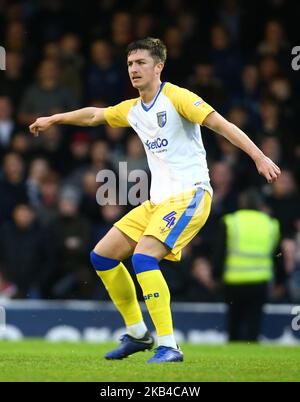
100 322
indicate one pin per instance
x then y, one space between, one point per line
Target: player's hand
267 168
41 124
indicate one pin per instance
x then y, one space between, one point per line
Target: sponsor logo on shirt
198 103
158 143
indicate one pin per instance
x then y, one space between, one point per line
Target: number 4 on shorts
170 218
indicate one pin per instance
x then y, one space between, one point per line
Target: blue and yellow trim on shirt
188 105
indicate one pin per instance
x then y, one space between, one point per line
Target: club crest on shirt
161 118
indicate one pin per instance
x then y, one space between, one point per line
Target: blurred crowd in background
63 55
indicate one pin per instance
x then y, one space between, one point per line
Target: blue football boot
166 354
130 345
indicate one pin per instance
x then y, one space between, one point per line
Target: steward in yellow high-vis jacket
251 239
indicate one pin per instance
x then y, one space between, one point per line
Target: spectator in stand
21 144
121 31
116 137
135 154
46 96
224 201
134 157
12 185
71 64
270 122
7 123
226 57
37 171
202 286
187 23
175 71
30 268
51 147
47 211
274 42
105 76
143 25
284 202
13 80
100 160
248 94
230 15
51 51
109 213
79 151
296 159
269 68
272 148
225 196
239 164
88 205
205 83
7 289
294 278
281 91
237 114
16 40
71 237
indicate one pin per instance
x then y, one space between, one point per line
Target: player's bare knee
149 245
107 250
115 245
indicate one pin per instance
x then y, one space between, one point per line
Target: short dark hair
156 47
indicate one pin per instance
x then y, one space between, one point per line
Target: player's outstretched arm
88 116
265 166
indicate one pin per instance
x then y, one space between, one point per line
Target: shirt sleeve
188 104
117 116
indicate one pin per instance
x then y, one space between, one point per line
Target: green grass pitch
38 360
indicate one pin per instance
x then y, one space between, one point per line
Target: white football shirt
170 132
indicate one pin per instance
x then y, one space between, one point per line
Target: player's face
143 69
